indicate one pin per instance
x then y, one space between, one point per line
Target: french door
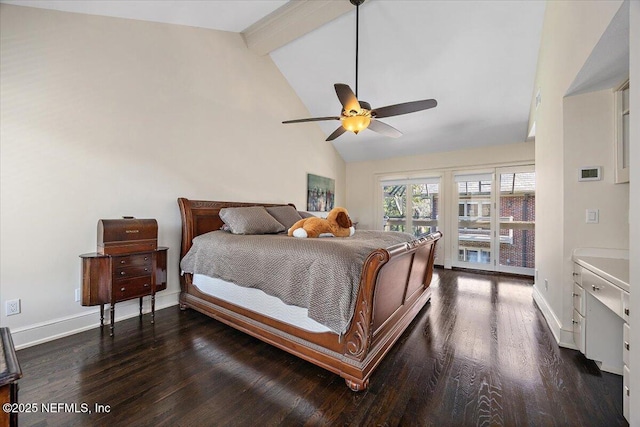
411 205
495 220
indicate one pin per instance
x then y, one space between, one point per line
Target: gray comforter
321 275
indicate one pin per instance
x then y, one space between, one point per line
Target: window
496 220
411 205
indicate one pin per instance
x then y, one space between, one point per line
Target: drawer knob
575 274
146 258
122 273
626 311
122 289
575 322
575 295
595 288
626 389
626 345
146 285
146 269
122 261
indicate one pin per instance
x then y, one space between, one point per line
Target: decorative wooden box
127 235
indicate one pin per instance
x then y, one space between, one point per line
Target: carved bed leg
357 385
181 300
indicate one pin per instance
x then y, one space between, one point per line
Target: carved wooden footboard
394 287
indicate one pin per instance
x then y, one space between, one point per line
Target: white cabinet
601 314
598 319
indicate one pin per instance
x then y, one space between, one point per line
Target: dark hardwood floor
479 354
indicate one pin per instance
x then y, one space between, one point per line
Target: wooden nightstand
109 279
10 373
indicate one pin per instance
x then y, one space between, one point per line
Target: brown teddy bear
337 224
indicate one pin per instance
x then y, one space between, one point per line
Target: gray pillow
285 215
305 214
250 220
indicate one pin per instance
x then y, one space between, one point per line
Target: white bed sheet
258 301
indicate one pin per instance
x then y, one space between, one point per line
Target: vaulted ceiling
476 58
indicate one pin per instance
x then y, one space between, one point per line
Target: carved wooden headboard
202 216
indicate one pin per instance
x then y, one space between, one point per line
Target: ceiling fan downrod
357 4
357 115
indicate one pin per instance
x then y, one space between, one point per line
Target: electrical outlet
546 285
12 307
77 294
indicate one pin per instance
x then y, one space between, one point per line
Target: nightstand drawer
131 260
125 273
133 288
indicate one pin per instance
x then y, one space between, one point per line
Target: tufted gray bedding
322 275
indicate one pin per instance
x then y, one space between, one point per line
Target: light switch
593 216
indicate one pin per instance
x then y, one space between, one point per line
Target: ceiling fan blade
384 129
312 119
404 108
347 97
336 133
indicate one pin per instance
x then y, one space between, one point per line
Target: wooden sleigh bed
394 287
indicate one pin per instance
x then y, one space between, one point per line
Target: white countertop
610 264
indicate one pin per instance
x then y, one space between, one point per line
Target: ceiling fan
358 115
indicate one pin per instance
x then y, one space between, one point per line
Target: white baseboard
563 337
57 328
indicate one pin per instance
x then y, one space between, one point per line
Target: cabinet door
603 336
161 270
96 280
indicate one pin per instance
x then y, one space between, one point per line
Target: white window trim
621 172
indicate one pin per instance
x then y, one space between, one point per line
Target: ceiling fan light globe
356 123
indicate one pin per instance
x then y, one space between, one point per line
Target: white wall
364 195
588 140
104 117
570 32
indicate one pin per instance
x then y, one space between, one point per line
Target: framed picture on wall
320 193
